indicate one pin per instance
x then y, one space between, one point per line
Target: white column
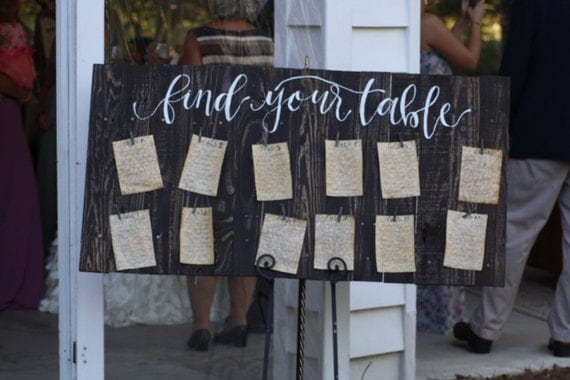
357 35
300 41
80 44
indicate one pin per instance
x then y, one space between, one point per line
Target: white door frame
80 44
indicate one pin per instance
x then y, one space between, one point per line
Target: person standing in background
43 35
229 39
439 307
439 44
21 254
46 171
536 58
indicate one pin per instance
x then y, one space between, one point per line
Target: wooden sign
403 174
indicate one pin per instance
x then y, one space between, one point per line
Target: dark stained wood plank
237 213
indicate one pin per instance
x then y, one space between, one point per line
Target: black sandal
199 340
235 336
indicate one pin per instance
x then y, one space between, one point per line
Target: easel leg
335 331
268 331
301 330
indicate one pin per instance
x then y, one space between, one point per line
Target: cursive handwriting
405 109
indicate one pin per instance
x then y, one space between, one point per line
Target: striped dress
227 47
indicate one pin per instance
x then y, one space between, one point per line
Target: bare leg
201 297
241 291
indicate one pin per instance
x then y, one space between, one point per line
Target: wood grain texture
238 215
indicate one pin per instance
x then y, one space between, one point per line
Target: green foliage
152 20
158 20
490 57
27 14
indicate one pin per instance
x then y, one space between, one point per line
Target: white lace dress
139 298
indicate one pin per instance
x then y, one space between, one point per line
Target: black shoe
235 336
199 340
558 348
462 331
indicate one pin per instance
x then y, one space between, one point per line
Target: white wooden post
80 44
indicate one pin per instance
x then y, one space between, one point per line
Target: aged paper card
282 237
480 177
395 246
203 166
197 236
131 237
399 169
272 171
465 240
137 165
334 237
344 168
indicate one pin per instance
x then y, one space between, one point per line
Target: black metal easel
301 330
266 262
335 264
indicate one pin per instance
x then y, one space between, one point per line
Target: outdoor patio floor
28 350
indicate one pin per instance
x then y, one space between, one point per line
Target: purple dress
21 254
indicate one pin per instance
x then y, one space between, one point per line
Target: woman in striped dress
229 39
